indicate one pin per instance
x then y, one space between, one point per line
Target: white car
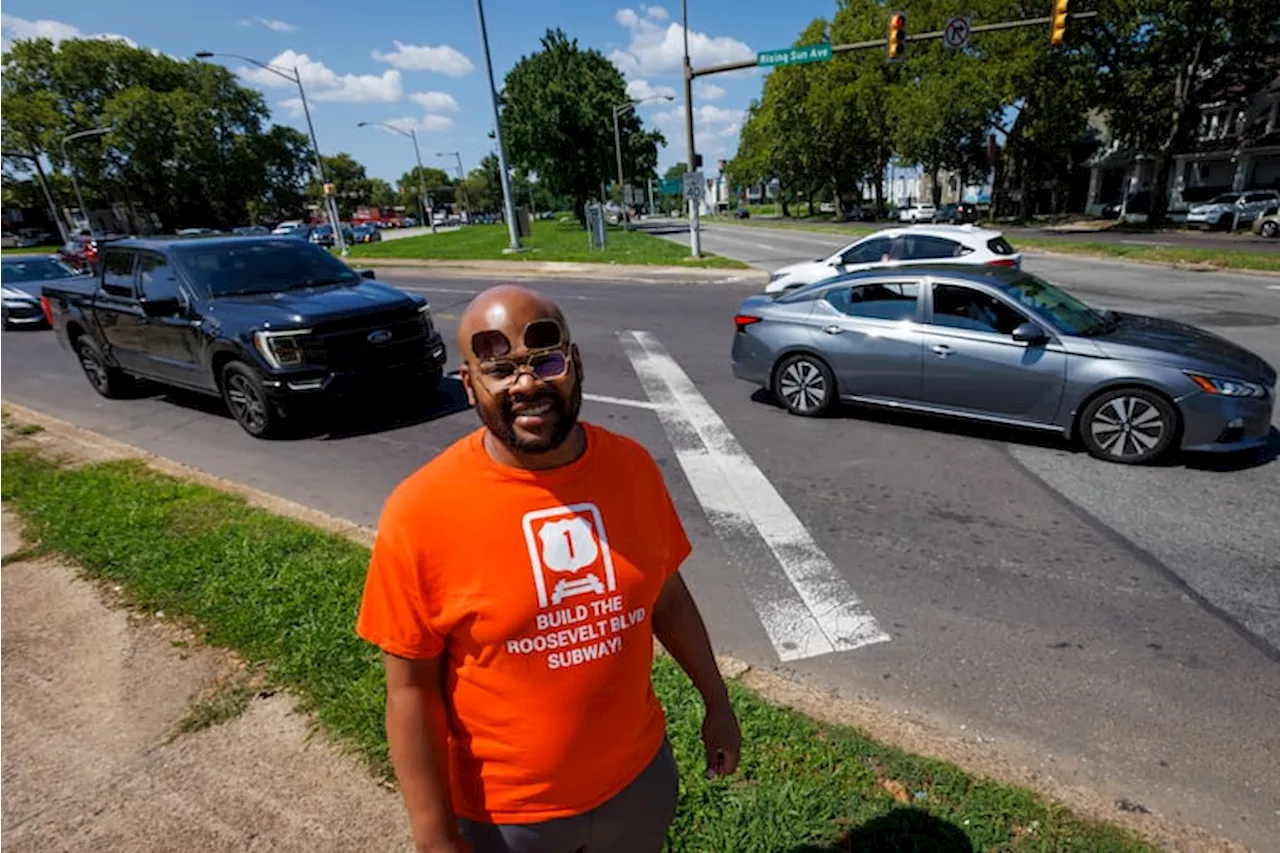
918 244
917 213
287 227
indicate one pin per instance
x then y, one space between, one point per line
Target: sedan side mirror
1030 333
369 274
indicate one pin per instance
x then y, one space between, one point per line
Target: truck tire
247 400
110 382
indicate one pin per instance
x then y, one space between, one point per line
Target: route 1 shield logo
569 553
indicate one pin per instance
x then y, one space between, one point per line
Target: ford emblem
381 336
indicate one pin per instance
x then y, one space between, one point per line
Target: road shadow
345 418
1220 462
903 830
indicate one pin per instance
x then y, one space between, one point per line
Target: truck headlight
1228 387
281 349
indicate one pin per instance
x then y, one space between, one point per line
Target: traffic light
1059 31
898 36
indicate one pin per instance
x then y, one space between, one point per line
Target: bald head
505 308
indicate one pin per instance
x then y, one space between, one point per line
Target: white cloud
244 22
420 57
13 28
732 130
293 107
706 114
277 25
643 90
708 91
325 84
441 102
657 47
429 123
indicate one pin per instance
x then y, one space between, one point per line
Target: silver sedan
1004 346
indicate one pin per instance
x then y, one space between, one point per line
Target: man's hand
722 739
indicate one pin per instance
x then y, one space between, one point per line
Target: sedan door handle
941 349
832 330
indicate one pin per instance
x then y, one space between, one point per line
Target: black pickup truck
273 325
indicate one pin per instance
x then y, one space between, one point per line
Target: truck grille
369 343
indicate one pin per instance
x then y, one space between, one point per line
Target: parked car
957 213
80 252
275 326
288 227
1003 346
251 231
858 213
10 240
367 233
1221 211
1267 226
21 277
917 213
197 232
323 235
920 244
742 213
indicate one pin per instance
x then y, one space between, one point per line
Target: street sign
955 35
693 186
794 55
667 186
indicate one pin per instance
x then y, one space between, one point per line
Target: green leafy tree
351 186
439 186
558 120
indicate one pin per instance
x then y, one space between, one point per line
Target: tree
439 186
284 155
352 186
483 186
558 120
1161 62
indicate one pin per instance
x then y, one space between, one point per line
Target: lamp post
509 203
427 211
695 236
331 206
466 206
44 188
618 110
96 131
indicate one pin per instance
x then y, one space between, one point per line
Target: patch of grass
224 703
549 241
32 250
284 596
28 429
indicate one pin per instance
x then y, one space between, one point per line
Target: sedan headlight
1228 387
281 349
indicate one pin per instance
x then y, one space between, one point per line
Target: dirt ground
92 696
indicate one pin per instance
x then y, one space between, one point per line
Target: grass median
1215 258
550 240
284 595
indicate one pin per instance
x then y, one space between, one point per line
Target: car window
958 307
35 269
156 279
878 301
870 251
1000 246
919 247
1226 198
117 272
266 266
1256 197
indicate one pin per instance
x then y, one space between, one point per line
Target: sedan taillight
47 309
741 321
1002 262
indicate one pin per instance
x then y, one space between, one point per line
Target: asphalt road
1118 625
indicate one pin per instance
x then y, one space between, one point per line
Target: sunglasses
547 344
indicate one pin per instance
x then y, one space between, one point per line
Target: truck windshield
263 266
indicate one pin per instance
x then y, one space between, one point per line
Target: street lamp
618 110
296 78
508 202
695 237
44 188
427 210
97 131
466 207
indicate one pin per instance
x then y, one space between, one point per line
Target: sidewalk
559 269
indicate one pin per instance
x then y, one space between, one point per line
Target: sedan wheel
248 401
805 385
1129 425
1270 229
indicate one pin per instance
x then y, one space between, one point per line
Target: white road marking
619 401
807 608
419 289
1273 287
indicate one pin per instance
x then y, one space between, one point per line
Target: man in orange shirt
516 585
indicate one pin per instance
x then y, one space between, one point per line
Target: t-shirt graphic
568 545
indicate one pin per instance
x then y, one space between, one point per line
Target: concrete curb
1057 778
581 271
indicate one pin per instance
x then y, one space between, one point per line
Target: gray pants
634 821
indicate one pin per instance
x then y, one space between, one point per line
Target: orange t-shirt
539 587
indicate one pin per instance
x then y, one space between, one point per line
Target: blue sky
421 64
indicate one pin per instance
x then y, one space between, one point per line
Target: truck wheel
247 399
108 381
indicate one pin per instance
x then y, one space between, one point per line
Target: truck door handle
832 330
941 350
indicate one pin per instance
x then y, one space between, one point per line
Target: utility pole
97 131
695 237
424 203
44 188
513 228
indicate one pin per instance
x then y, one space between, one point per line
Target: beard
561 418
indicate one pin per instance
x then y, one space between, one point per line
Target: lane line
619 401
805 605
1273 287
413 288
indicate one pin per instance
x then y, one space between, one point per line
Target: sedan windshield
1066 313
1226 198
35 269
263 266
